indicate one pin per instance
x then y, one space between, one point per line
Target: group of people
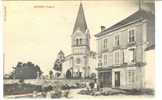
51 92
92 86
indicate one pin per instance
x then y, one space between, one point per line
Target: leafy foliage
58 65
26 71
50 74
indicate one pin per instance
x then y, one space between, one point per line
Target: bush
93 76
14 89
85 92
56 94
21 81
139 91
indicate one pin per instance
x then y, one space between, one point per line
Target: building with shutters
122 52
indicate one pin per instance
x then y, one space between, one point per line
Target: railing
105 50
131 44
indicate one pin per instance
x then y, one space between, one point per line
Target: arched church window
80 41
77 41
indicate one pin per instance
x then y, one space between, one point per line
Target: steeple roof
61 52
80 22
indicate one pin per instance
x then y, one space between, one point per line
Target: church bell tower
80 45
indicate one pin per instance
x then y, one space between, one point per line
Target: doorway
117 79
68 74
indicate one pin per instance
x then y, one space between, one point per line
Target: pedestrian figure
101 84
95 86
67 91
48 95
87 86
91 85
34 94
43 93
98 87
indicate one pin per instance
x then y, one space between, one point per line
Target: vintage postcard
79 49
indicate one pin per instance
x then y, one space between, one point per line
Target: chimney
102 28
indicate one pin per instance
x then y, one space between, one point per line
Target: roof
137 16
61 52
80 20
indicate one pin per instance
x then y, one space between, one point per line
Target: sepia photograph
71 49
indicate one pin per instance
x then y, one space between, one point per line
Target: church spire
80 22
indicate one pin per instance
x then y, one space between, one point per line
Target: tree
26 71
93 76
50 74
58 65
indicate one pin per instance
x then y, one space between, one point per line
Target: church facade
81 63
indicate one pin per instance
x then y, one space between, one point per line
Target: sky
37 30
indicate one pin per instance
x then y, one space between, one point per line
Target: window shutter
126 56
130 56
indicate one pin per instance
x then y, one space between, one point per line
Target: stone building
81 63
122 53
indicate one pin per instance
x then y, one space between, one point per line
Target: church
81 63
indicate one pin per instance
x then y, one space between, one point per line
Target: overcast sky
37 31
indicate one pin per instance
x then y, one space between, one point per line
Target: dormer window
131 36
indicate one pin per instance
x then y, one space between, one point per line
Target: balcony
105 50
116 47
130 44
139 64
79 45
104 68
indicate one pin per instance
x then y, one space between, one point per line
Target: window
80 41
117 40
100 63
133 53
123 57
116 77
131 77
105 43
131 36
78 60
116 57
77 41
105 59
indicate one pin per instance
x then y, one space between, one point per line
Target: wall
125 82
65 66
122 77
123 43
150 69
93 64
